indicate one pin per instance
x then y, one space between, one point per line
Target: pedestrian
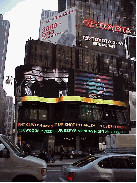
27 149
42 154
61 152
51 154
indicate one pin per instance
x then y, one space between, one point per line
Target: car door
5 164
105 170
121 169
132 162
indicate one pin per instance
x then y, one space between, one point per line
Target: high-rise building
4 33
91 103
117 12
2 110
46 14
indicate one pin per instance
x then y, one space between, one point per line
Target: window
97 112
42 114
33 114
2 148
85 161
120 117
86 113
120 162
105 163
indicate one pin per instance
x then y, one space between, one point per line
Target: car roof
113 154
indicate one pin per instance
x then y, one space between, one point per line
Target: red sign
92 23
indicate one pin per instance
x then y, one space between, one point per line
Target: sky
24 17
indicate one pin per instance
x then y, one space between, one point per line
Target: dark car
41 154
75 154
35 153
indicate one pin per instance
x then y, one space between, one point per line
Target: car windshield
85 161
15 148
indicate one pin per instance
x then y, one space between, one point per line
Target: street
53 174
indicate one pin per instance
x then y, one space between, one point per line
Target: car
101 168
41 154
15 166
75 154
35 153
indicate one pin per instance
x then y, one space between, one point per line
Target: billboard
103 39
132 103
93 85
38 81
60 28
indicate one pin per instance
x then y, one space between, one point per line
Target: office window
42 114
97 112
86 113
33 114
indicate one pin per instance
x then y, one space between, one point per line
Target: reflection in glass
33 114
42 114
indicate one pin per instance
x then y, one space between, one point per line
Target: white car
16 167
107 168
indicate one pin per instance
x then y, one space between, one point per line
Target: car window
85 161
16 149
105 163
120 162
132 162
2 147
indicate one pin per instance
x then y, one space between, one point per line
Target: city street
53 174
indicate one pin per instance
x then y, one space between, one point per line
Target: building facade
59 108
9 116
93 101
3 107
4 33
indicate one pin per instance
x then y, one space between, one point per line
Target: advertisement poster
102 39
60 28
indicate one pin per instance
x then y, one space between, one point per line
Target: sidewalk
64 161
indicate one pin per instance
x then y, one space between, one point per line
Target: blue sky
24 17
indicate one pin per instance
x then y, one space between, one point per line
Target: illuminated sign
33 80
60 28
93 85
99 39
93 24
70 131
72 98
41 125
102 42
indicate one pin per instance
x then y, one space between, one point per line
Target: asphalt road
53 174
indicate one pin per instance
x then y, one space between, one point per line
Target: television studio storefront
77 118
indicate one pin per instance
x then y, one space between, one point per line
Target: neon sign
92 24
72 98
108 126
70 130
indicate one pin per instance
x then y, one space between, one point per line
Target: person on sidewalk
27 149
61 152
51 154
